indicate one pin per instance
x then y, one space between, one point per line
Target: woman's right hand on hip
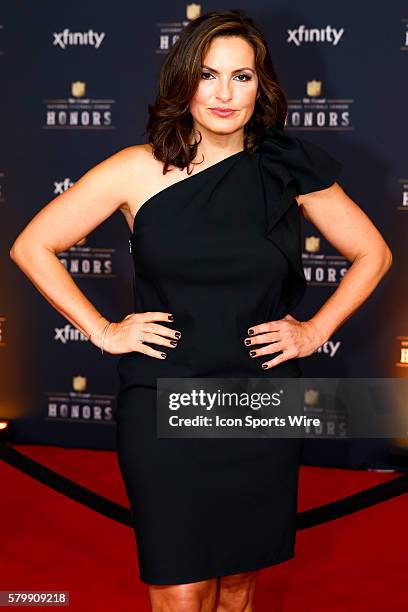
132 333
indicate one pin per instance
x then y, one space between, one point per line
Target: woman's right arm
65 221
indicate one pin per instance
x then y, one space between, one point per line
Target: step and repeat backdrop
77 78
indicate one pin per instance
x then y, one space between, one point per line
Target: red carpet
49 542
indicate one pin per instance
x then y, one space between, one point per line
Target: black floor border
66 486
110 509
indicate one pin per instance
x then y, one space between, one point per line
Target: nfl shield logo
78 89
314 88
79 383
193 10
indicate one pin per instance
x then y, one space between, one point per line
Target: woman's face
228 81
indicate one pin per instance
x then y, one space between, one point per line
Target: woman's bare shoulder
139 158
144 176
144 170
138 163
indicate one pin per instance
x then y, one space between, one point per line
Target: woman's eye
247 77
207 75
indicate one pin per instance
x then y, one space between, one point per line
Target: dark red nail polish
264 366
164 355
252 353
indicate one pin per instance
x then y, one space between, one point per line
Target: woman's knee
236 592
237 582
192 597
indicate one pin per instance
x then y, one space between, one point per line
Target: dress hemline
217 573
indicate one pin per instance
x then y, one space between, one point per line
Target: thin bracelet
92 332
104 334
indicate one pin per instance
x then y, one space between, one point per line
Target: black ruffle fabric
291 166
310 166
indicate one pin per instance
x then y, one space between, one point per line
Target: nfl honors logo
169 31
77 112
316 111
84 260
78 405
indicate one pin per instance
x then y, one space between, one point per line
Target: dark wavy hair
170 123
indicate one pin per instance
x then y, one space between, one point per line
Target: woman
213 202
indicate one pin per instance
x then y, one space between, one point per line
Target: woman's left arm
346 226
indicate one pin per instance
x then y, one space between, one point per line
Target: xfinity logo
309 35
67 38
61 186
68 333
329 348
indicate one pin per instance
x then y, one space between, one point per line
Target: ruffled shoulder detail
289 166
310 167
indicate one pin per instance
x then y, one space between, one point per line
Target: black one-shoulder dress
221 250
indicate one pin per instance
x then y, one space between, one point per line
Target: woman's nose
224 91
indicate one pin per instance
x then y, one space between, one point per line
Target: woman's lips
221 112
